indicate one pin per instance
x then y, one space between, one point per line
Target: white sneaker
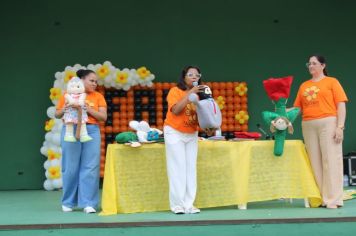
192 210
178 210
66 209
89 210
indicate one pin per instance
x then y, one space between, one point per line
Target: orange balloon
123 100
130 115
230 127
158 85
124 122
230 113
123 114
229 85
159 100
159 108
244 99
123 128
229 99
237 127
224 127
159 121
215 85
116 122
159 93
244 127
108 129
223 92
237 99
159 115
230 107
145 115
224 120
222 85
123 107
116 115
116 129
166 85
144 100
244 107
130 93
229 92
130 107
102 129
230 120
115 100
209 84
216 92
130 100
237 106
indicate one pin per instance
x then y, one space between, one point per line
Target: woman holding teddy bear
81 160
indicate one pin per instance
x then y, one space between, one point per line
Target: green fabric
280 111
126 137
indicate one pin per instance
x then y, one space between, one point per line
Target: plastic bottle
346 181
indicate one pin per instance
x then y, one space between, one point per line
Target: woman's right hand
197 89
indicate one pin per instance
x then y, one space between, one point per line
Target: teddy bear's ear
134 124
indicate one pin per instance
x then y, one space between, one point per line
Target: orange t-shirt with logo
186 121
93 100
319 99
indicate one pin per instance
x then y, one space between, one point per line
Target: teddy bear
144 132
75 96
281 123
208 112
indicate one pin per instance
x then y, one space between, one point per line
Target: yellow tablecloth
229 173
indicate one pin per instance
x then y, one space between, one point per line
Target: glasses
311 64
192 75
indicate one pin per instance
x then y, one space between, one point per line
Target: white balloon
48 137
50 112
46 164
57 183
57 149
55 162
58 75
48 185
56 139
44 150
47 174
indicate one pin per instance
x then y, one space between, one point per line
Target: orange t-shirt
319 99
186 121
93 99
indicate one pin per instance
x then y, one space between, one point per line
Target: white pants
181 155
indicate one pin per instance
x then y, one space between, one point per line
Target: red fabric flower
277 88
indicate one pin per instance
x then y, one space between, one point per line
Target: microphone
263 131
195 83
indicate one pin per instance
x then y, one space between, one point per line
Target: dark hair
181 83
322 60
81 73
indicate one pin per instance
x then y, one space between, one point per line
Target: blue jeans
81 169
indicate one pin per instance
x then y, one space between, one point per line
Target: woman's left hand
339 135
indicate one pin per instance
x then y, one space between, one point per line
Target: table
229 173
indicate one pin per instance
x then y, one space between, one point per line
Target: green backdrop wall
230 40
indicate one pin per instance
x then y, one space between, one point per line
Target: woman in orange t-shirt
181 141
81 160
322 103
